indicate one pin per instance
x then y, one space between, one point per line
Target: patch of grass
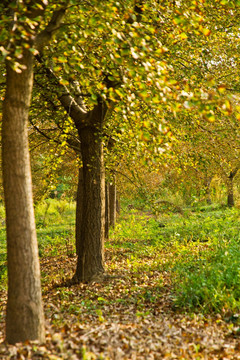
199 250
55 231
211 282
55 239
54 211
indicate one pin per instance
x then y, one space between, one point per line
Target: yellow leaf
183 36
222 88
206 31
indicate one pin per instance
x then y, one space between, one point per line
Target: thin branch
74 110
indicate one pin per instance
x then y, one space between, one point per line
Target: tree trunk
79 210
112 203
24 319
90 261
90 234
230 196
107 220
118 205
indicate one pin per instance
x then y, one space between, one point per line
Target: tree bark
107 223
79 210
90 263
230 196
113 203
24 319
118 205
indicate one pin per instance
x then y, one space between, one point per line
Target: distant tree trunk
79 209
230 195
118 205
107 219
113 203
24 319
90 261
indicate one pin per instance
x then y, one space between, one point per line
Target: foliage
54 211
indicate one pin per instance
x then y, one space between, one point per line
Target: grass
199 251
55 222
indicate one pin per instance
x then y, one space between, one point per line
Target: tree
90 120
25 319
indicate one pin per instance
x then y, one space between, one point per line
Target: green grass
55 221
199 250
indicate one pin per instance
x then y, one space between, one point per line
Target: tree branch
45 36
73 143
74 109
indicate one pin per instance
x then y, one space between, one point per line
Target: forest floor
134 315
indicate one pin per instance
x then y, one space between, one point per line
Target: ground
131 315
104 321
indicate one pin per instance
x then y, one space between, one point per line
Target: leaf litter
128 317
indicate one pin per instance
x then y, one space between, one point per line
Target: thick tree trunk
113 203
107 219
25 319
90 262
